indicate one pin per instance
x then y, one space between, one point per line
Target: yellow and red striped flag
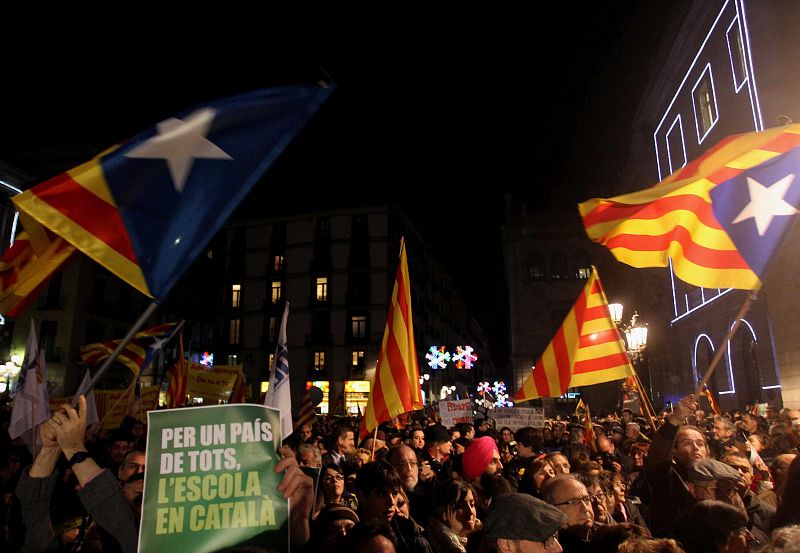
27 266
307 413
395 388
137 354
587 349
720 218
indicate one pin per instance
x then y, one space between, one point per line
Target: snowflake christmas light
438 357
464 358
500 395
207 359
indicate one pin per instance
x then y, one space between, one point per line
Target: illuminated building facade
726 67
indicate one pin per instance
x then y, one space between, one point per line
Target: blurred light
616 312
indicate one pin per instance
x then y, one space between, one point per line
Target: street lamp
635 337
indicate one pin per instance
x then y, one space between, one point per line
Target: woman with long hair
331 489
454 517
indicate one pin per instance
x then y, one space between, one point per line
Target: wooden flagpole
751 297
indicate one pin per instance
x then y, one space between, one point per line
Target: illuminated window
359 326
233 359
233 333
356 395
357 363
705 104
236 293
583 270
736 51
277 263
322 288
271 361
276 291
325 386
319 361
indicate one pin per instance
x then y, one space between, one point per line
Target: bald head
404 460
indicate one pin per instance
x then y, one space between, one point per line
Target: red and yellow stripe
78 206
587 349
395 388
675 217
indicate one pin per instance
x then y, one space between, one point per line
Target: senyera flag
720 218
147 208
587 349
395 388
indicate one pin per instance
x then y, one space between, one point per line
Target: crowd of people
684 482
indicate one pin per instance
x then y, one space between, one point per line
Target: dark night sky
442 113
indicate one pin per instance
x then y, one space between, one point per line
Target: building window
359 326
676 150
583 270
271 361
236 294
356 395
273 329
233 359
319 361
277 263
322 289
48 330
736 52
276 291
558 266
233 331
535 270
325 386
357 363
705 104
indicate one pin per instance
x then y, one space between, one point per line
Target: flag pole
648 407
751 297
108 362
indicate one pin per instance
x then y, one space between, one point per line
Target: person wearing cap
331 526
519 523
759 512
712 479
437 454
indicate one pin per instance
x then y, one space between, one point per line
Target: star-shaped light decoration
179 143
766 202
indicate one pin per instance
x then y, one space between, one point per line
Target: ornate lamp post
636 339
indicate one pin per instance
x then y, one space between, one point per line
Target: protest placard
517 417
454 412
210 480
214 383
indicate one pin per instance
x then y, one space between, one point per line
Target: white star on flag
766 202
179 143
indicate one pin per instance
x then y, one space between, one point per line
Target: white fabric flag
279 394
31 406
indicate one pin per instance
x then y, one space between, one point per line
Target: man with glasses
520 523
570 497
420 492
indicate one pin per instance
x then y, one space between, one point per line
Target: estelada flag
145 209
587 349
720 218
395 388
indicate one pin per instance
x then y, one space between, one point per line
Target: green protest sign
210 480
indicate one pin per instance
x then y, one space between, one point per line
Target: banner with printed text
210 480
212 383
517 417
454 412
